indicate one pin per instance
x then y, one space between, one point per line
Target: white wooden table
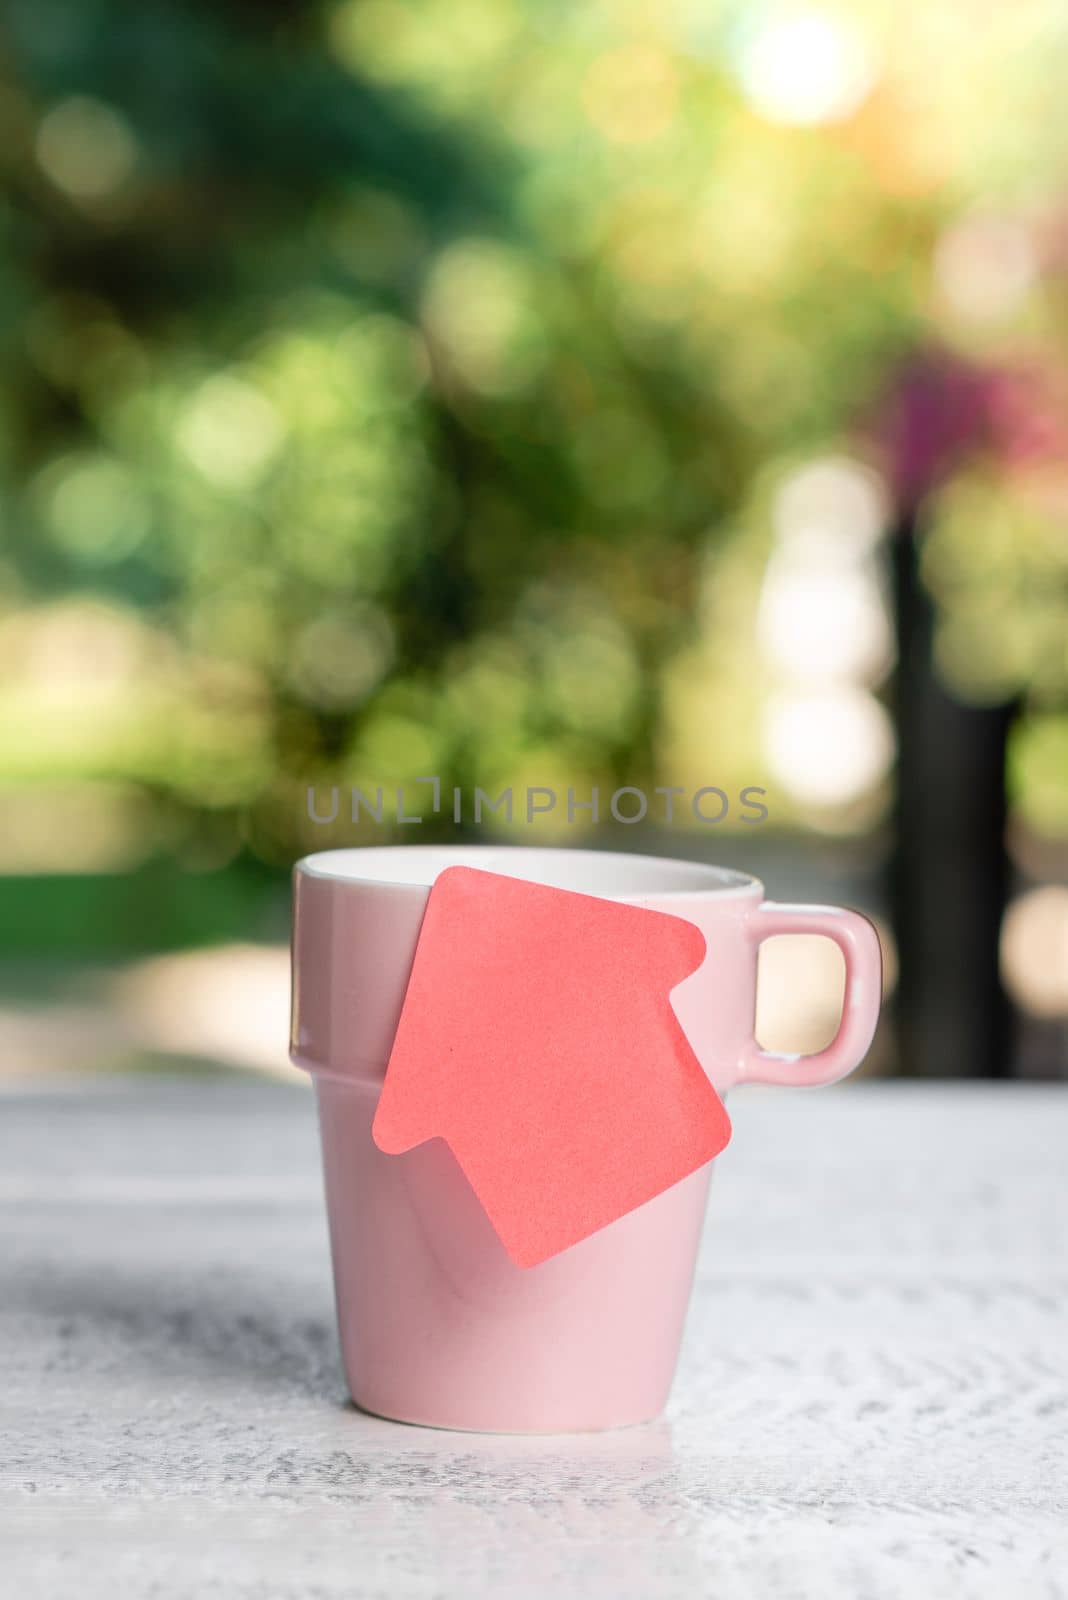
873 1400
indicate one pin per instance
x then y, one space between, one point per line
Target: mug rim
661 874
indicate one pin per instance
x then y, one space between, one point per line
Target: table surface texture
873 1397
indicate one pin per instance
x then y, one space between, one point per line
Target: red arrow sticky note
538 1040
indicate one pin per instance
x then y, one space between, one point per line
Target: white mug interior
612 875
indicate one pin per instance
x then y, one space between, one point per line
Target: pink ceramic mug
438 1326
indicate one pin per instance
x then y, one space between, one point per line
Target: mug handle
859 943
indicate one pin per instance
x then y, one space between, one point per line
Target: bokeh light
1034 950
229 431
228 1004
86 147
986 266
805 67
829 748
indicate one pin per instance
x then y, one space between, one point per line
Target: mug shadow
152 1322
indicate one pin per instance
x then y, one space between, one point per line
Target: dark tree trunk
949 870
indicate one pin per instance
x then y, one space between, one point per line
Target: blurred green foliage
395 388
